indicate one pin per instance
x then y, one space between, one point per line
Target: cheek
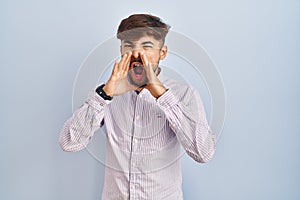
153 57
125 51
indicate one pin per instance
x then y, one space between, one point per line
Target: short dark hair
139 25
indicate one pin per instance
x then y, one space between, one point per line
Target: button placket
134 162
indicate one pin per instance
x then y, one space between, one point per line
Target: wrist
109 88
102 93
157 90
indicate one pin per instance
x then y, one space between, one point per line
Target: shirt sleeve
186 116
78 130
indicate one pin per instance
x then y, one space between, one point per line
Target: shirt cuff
96 101
167 100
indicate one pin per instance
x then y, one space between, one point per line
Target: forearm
187 119
79 129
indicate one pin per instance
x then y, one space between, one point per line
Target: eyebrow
147 42
126 41
143 43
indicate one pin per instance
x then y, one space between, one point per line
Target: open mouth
138 69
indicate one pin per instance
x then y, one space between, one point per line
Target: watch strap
102 93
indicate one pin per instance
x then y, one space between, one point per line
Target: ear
163 52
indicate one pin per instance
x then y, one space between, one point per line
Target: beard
134 82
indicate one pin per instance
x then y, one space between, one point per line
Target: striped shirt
144 136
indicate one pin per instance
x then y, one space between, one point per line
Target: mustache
138 59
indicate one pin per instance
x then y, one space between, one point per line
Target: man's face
154 51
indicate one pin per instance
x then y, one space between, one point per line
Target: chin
138 83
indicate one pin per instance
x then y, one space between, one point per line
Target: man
147 117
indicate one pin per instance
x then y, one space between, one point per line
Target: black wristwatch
101 92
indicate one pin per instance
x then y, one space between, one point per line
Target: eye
147 47
127 45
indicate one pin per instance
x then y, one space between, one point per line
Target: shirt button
138 117
101 104
134 141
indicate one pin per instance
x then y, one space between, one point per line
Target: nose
136 52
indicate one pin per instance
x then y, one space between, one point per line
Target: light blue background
255 45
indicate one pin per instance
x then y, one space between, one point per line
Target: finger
144 59
146 63
123 59
115 69
127 64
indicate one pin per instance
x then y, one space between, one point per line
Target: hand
154 85
118 82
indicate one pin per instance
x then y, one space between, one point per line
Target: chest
138 120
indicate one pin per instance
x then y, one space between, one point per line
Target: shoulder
180 89
176 85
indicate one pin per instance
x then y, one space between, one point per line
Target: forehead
142 40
